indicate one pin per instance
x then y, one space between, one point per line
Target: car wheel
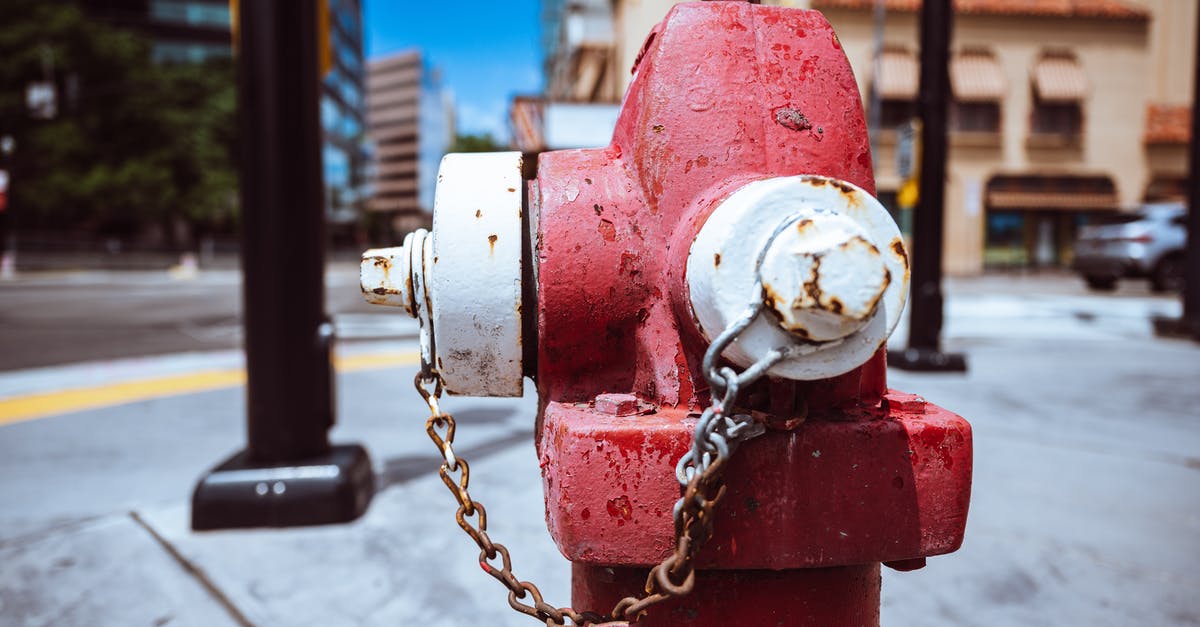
1168 274
1101 283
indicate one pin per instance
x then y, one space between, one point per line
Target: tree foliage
482 142
133 141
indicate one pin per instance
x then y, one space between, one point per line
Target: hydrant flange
464 281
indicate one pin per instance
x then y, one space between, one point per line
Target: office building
579 105
411 120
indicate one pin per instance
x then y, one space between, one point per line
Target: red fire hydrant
723 264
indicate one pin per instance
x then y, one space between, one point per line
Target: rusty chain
700 472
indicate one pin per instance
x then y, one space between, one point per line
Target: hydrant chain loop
459 488
700 471
715 377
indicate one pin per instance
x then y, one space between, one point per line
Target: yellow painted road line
32 406
375 361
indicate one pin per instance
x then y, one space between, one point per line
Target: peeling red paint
607 230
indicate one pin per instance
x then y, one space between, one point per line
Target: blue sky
487 51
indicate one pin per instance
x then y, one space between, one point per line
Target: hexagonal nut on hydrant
617 404
823 277
383 276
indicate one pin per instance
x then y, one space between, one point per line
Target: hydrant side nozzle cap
464 281
383 276
475 278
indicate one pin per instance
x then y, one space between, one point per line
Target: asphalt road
58 318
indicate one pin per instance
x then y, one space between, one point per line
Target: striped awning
977 77
525 115
897 75
1059 79
1051 192
1032 200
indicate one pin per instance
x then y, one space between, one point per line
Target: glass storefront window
1005 240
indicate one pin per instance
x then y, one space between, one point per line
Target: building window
1165 188
331 114
896 113
1059 88
895 83
978 85
975 117
177 52
191 12
349 57
1057 118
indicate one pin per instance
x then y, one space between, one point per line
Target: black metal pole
289 391
288 474
925 297
1188 326
1191 289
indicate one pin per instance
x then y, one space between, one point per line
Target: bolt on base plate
332 488
1182 327
917 359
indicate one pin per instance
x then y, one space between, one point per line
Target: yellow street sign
908 194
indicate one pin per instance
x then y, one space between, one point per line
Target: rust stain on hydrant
792 119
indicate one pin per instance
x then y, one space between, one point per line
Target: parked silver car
1146 243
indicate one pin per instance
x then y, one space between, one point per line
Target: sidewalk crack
195 571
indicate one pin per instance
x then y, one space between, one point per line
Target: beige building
1062 110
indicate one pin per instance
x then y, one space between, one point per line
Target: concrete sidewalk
94 521
1084 508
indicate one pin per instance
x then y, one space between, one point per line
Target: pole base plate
926 360
332 488
1182 328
